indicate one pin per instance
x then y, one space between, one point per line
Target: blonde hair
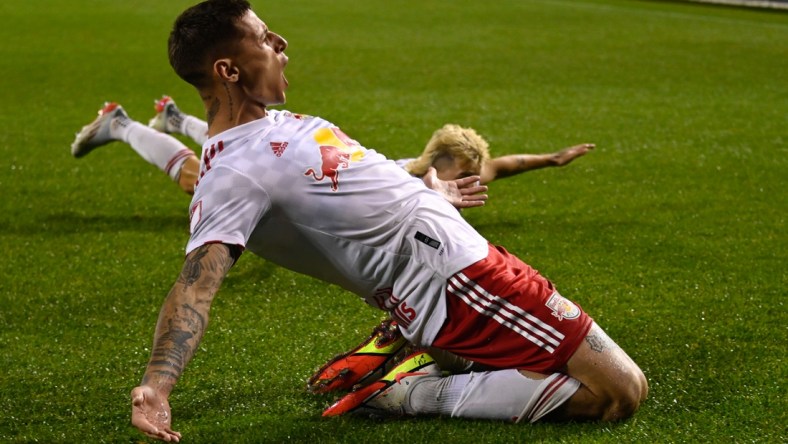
459 143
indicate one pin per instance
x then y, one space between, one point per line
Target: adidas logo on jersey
278 148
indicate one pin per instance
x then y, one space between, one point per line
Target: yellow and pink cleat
364 364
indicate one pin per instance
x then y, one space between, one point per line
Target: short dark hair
198 35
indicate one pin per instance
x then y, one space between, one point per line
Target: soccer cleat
168 117
97 132
389 394
364 364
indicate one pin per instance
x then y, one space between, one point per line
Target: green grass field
671 234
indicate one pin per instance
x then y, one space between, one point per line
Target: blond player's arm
182 322
510 165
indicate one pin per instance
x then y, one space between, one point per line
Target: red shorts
504 314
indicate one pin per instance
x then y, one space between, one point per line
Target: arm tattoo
192 268
184 316
176 345
210 270
596 342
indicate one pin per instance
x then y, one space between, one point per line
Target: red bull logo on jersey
562 307
337 150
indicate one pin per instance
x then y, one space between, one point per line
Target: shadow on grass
253 269
72 223
312 428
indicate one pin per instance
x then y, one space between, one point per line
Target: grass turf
671 234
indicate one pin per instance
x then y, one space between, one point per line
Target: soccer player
460 152
455 152
299 192
165 152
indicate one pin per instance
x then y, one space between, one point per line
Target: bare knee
613 386
615 401
623 399
619 409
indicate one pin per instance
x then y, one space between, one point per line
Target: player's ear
226 70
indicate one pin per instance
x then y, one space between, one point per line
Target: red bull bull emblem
337 150
562 307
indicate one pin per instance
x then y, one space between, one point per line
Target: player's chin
278 98
281 97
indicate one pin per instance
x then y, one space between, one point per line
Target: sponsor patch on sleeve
562 307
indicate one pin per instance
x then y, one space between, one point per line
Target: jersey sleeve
228 212
402 162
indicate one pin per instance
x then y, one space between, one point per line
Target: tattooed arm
182 322
510 165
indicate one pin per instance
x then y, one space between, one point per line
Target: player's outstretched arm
510 165
462 193
182 322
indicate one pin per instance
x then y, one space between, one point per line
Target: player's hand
150 413
462 193
567 155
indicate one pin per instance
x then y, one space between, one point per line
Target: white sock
194 128
435 395
554 391
164 151
501 395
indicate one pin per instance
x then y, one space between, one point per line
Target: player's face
449 168
261 61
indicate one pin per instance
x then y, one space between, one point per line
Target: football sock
450 362
194 128
165 152
502 395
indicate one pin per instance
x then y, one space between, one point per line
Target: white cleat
97 132
168 117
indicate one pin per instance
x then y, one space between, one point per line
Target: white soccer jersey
404 162
298 192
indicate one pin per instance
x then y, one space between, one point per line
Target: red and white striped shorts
502 313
